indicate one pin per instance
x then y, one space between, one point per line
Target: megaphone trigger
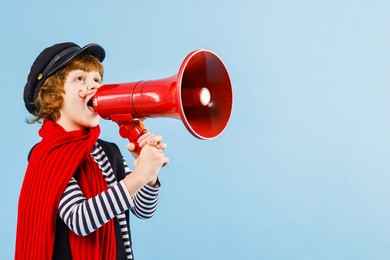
132 130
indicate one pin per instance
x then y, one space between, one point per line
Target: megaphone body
200 94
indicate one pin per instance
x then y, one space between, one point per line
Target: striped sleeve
145 200
84 216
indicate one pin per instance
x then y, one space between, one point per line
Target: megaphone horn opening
205 94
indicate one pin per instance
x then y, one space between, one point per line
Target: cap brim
93 49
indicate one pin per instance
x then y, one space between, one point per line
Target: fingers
156 155
143 138
162 146
147 139
165 161
152 140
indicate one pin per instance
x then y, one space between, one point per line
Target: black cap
51 60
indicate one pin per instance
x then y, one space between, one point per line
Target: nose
91 88
93 85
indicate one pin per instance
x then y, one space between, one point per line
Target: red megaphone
200 94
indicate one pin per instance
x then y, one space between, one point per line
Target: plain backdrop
302 170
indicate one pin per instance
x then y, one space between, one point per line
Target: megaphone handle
132 130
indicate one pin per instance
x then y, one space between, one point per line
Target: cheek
72 101
73 91
77 95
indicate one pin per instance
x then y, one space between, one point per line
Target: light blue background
301 172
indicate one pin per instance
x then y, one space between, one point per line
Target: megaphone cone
200 94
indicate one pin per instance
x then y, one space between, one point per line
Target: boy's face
79 87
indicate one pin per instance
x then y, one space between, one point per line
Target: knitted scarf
59 156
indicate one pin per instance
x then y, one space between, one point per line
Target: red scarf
59 156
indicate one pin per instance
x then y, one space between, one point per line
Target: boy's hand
147 166
147 139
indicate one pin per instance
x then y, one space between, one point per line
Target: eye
97 80
80 78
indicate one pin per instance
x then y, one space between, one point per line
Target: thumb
132 149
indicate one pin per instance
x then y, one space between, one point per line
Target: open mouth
90 104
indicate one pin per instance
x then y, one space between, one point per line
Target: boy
78 189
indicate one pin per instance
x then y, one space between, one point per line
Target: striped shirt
84 216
